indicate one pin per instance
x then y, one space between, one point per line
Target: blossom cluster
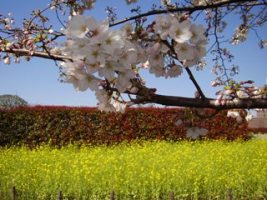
6 22
241 34
188 44
235 91
78 6
99 54
106 60
17 43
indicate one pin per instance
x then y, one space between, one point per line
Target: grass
145 170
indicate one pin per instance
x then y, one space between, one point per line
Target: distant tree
8 101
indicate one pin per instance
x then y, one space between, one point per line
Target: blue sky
37 81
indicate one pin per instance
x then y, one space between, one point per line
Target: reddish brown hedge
258 130
59 126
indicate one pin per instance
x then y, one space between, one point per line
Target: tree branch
190 9
247 103
190 74
40 54
192 78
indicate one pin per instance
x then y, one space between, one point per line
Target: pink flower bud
7 60
214 83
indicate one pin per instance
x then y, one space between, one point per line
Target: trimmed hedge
258 130
60 126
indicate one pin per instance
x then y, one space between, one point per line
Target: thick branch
247 103
40 54
190 9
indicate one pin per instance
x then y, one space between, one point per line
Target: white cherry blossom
78 26
165 2
112 43
109 104
198 33
174 71
102 95
75 73
77 47
92 68
154 49
123 80
95 55
108 70
82 26
241 34
119 107
7 60
184 51
106 107
142 54
128 57
156 61
158 71
200 50
241 94
89 3
195 132
206 2
104 101
163 25
235 114
180 31
249 117
127 30
82 81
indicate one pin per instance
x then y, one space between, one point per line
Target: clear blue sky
37 81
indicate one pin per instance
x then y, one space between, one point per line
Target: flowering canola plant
145 170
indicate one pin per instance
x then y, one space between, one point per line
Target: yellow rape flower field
140 170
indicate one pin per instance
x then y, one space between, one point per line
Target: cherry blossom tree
168 41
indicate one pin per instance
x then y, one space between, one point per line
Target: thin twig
192 78
217 42
189 9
